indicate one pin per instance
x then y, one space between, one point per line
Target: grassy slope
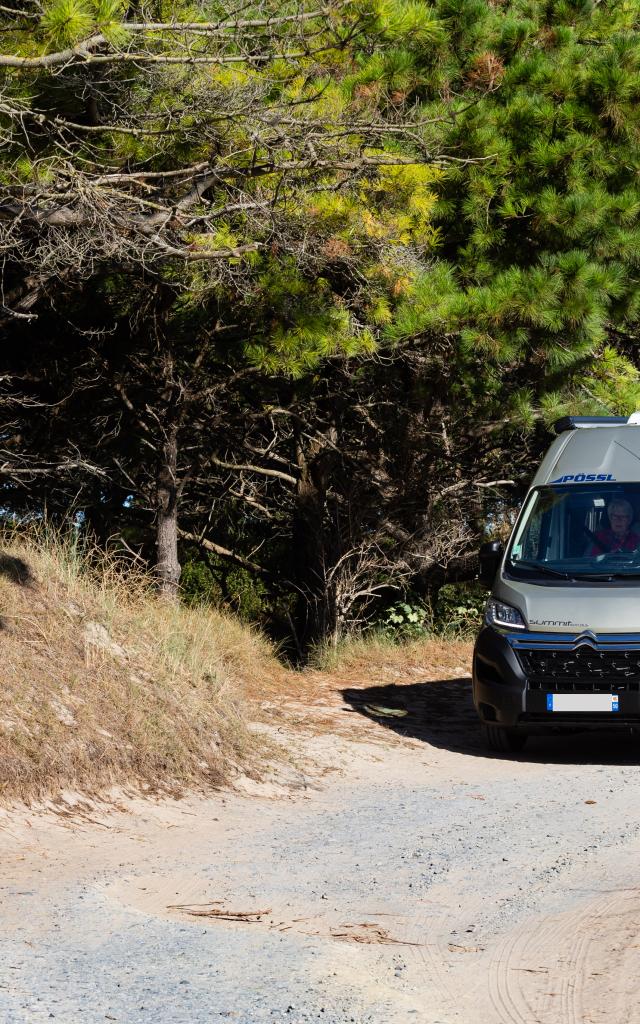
103 684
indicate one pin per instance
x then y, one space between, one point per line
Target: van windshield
578 531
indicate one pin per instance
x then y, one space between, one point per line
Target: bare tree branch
218 549
83 54
238 467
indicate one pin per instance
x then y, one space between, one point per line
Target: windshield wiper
544 568
609 576
594 576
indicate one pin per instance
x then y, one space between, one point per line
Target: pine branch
210 27
83 54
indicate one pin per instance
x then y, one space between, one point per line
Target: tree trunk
313 549
167 492
307 553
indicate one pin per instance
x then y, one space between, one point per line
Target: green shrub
407 620
247 594
198 585
457 611
459 608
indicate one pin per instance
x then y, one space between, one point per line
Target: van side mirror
490 556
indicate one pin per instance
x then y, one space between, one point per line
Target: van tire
503 741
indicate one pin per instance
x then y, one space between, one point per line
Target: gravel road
418 880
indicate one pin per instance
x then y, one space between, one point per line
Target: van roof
602 453
573 422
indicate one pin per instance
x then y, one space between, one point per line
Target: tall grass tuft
379 651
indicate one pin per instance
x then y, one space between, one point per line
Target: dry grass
105 684
375 653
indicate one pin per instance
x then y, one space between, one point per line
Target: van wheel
503 741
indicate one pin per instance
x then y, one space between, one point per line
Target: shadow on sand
441 713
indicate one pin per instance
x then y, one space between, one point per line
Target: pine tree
537 272
446 191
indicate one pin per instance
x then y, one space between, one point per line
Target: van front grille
581 670
582 720
584 686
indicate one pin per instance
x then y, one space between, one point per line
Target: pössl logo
584 478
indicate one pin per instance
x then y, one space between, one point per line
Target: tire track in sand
577 967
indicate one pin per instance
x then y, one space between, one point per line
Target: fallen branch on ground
208 910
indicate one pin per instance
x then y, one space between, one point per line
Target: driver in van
620 536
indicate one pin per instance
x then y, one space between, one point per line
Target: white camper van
560 645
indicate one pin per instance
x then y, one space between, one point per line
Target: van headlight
499 614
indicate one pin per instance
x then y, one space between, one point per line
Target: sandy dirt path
393 872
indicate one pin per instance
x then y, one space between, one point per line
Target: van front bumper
504 693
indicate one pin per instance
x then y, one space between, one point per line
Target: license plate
582 702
